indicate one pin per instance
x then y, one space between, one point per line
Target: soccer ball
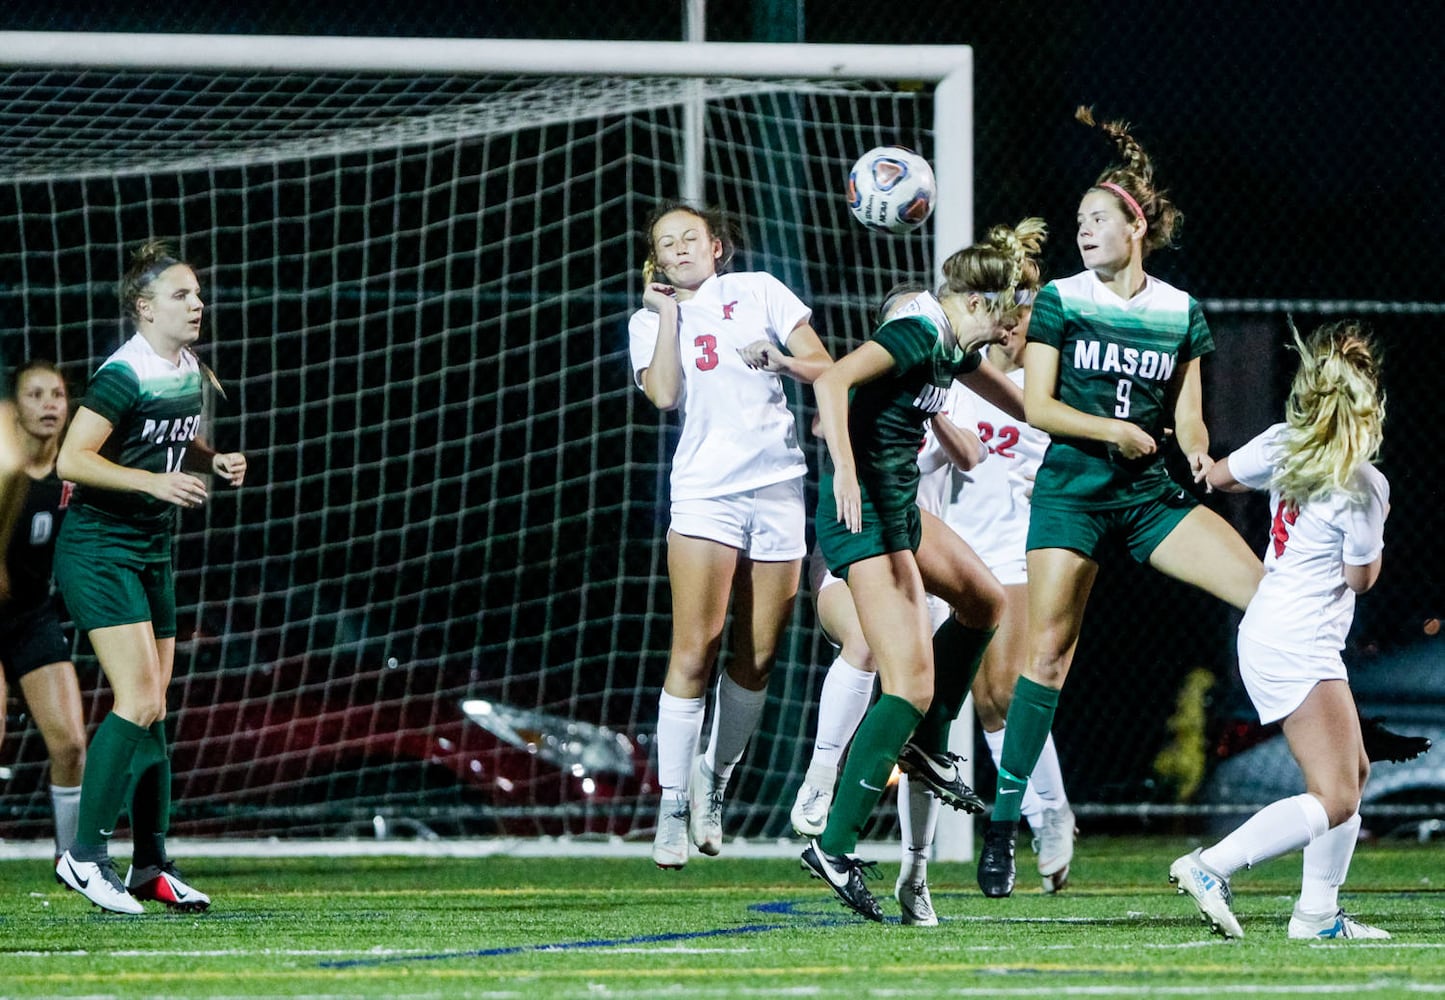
891 189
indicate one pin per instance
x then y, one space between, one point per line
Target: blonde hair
1335 414
1003 263
1135 175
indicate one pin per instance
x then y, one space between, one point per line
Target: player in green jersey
1112 363
134 455
872 405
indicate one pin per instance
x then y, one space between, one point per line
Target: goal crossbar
53 49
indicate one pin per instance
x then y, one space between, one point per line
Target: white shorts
1011 572
819 579
768 524
1278 681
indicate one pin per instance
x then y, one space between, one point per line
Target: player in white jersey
715 345
989 508
1329 506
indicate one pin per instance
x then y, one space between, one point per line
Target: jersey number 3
707 360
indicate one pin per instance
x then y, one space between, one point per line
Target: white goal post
433 266
949 68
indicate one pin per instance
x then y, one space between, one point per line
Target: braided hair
1131 181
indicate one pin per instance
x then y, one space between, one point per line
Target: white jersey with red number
1303 603
989 505
737 431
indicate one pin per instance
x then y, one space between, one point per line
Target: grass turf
501 927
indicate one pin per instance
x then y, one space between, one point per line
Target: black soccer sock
150 803
957 653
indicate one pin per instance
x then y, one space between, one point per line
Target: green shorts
881 534
1141 527
112 573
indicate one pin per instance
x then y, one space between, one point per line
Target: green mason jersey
154 408
886 415
1117 359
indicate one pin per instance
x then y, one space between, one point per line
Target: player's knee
1340 802
67 760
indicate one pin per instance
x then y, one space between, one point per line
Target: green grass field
505 927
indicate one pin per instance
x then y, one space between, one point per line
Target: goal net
439 603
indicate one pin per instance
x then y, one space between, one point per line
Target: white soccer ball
891 189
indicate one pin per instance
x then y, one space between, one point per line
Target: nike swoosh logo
181 894
81 882
107 833
868 786
1009 791
829 873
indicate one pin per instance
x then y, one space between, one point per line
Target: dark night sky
1302 139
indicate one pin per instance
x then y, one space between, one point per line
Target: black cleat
844 875
939 771
996 862
1382 744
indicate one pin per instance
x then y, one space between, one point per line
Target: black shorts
31 640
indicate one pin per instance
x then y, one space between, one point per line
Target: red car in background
304 748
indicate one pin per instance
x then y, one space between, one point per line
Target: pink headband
1128 200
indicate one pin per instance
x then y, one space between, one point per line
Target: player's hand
231 467
1132 441
1200 463
849 499
762 355
179 488
658 296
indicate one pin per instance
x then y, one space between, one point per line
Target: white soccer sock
1032 806
847 693
1046 780
1280 827
1327 862
679 724
65 805
917 822
738 713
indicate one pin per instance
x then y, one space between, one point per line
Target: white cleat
810 808
164 884
1332 927
1210 892
1054 845
669 843
705 801
97 882
914 902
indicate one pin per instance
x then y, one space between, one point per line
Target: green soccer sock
150 802
105 783
871 757
1030 717
957 654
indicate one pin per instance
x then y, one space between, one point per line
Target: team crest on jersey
728 308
